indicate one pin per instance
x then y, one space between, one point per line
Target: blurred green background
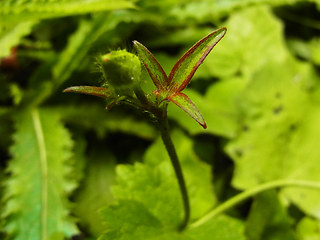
258 91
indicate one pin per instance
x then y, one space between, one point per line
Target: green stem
164 129
141 96
251 192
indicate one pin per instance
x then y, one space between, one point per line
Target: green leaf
149 202
280 116
78 46
74 54
36 194
247 48
90 90
81 41
157 74
219 108
314 47
271 222
131 220
184 102
151 187
15 11
99 175
11 34
185 36
158 174
306 50
6 128
201 11
184 69
93 116
308 229
220 227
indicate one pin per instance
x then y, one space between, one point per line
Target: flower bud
121 69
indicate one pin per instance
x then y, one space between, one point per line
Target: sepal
156 72
184 69
90 90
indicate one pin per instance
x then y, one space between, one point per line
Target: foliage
41 201
71 169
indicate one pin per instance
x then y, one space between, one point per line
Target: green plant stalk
165 134
251 192
161 114
141 96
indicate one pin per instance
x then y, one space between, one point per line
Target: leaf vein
44 171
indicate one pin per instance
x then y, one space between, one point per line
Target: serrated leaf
157 74
184 69
146 184
36 200
90 90
132 220
149 202
157 175
184 102
15 11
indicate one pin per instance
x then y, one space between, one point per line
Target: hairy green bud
121 69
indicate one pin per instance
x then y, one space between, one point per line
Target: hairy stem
164 129
251 192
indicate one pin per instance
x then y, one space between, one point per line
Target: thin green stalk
251 192
141 96
165 134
